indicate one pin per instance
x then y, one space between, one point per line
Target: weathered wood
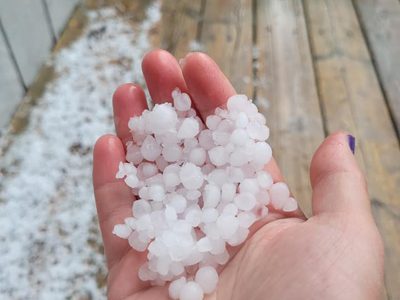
286 79
352 100
11 88
29 35
381 23
60 11
179 26
227 37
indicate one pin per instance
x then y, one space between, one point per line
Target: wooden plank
227 37
60 11
287 80
353 101
25 25
179 26
11 88
381 23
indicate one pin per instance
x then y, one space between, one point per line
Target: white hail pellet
200 188
207 278
189 129
191 291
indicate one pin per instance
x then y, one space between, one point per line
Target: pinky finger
113 196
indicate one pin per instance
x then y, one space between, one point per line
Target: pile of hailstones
199 188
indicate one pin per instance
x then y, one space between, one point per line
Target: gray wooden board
11 88
27 30
381 23
60 11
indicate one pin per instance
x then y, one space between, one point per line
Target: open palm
335 254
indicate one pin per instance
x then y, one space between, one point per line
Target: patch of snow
50 246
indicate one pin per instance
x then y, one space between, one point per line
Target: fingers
128 100
162 74
209 89
113 196
207 85
337 182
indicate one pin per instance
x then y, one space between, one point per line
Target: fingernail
352 143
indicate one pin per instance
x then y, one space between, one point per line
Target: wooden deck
313 67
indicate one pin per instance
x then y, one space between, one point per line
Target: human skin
337 253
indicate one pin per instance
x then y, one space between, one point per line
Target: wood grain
179 26
352 100
227 37
381 23
287 93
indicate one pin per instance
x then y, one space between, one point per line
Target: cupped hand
337 253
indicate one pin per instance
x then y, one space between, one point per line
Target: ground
50 246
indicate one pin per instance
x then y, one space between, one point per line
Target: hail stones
199 188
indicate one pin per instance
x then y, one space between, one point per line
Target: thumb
337 182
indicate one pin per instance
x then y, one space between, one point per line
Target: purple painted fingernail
352 143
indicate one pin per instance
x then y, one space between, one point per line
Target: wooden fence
28 31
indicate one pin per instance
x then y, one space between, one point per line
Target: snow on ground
50 247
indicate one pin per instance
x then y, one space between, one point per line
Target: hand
335 254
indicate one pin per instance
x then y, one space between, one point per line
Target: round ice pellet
204 244
238 158
249 185
191 291
171 153
132 181
230 209
175 287
207 278
264 179
241 120
258 131
279 193
140 207
191 176
206 140
237 103
198 156
181 101
217 156
209 215
290 205
217 177
213 121
121 230
262 153
189 129
178 202
161 119
228 191
239 137
211 195
246 219
245 201
193 216
133 154
157 192
148 169
150 149
227 225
